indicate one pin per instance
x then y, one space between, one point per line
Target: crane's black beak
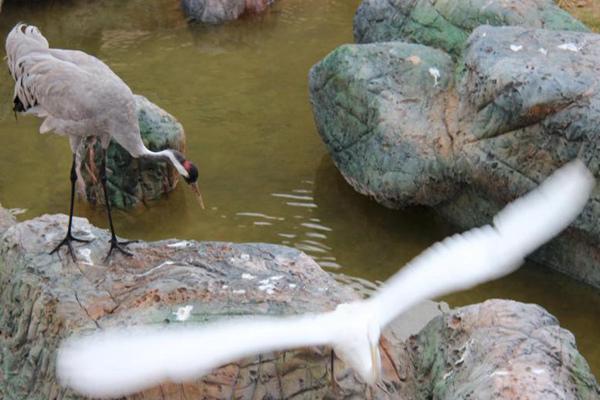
196 190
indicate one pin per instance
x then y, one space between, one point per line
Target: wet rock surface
446 24
6 219
407 126
133 181
498 345
219 11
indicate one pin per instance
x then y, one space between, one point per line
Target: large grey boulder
446 24
218 11
133 181
404 131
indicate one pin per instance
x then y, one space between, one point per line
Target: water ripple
292 196
296 204
316 226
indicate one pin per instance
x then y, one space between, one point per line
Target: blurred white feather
115 363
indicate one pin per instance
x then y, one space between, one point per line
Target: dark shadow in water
381 240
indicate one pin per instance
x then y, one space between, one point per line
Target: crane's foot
67 242
116 245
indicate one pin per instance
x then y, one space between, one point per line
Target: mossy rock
133 181
446 24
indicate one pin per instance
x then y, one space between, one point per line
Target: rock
134 181
500 349
402 130
219 11
44 299
377 108
447 24
6 219
524 114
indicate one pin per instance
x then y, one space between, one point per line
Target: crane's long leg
69 238
114 242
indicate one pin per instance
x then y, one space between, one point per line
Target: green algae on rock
377 109
446 24
132 181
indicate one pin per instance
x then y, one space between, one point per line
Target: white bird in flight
115 363
80 96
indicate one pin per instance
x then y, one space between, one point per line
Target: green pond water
240 90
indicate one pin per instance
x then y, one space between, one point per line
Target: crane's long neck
175 157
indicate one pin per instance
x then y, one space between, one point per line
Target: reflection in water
241 92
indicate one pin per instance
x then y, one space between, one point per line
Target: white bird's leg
69 238
334 385
114 242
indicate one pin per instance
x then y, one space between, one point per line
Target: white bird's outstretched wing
489 252
116 363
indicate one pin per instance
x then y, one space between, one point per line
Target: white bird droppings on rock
269 288
516 48
292 285
183 313
248 277
151 270
569 46
436 75
179 245
239 291
268 285
86 255
543 51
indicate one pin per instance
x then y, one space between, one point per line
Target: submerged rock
44 299
218 11
132 181
447 24
402 129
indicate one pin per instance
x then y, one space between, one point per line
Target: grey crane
79 96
